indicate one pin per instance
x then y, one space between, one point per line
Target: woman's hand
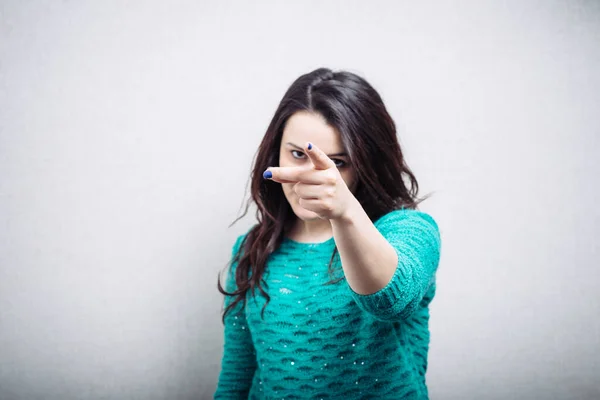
320 187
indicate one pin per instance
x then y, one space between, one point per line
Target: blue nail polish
267 175
310 146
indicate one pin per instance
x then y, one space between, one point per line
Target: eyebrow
328 155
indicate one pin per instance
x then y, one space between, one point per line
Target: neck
317 230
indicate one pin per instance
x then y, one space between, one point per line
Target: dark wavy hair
385 183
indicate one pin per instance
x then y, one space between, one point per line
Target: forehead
305 126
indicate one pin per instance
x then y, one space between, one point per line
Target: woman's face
304 127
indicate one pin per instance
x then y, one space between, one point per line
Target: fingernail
267 174
309 146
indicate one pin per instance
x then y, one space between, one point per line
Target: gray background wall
127 130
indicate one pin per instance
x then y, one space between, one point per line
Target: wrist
351 212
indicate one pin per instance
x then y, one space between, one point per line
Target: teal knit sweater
324 341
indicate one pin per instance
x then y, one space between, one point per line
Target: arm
389 265
368 259
239 358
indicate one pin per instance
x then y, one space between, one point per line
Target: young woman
327 296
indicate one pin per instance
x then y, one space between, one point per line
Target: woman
327 296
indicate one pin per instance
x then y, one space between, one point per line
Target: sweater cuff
393 301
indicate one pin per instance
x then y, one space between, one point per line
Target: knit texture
324 341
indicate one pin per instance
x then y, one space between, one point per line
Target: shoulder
235 257
407 219
240 241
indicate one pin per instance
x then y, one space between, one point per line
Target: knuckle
328 206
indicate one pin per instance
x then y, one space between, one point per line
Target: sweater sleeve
239 357
415 237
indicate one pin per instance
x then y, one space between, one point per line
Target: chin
304 214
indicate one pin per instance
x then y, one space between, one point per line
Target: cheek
285 160
350 178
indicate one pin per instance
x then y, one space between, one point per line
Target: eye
298 154
339 163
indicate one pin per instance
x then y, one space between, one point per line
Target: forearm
368 259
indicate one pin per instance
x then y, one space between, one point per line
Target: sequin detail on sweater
324 341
